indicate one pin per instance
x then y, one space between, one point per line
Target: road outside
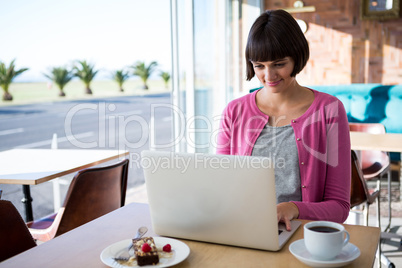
131 123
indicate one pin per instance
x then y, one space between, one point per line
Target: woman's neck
288 96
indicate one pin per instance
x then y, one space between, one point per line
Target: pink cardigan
323 145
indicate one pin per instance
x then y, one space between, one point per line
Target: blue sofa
370 103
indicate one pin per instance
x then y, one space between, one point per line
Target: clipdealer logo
331 154
112 128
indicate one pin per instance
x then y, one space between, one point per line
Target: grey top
279 144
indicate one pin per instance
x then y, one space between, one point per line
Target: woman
306 132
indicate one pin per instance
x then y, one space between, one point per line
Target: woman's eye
280 64
257 66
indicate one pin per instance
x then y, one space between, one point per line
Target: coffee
323 229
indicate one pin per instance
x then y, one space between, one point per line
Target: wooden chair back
94 192
359 192
14 234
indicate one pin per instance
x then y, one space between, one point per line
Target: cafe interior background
355 50
351 43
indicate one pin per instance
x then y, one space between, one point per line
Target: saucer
348 254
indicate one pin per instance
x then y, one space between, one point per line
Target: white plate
348 254
179 249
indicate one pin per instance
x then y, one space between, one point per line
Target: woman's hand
286 212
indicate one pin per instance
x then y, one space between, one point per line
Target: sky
112 34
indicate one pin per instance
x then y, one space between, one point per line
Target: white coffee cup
324 240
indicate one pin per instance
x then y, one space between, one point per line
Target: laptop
220 199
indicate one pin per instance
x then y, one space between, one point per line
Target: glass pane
204 70
210 37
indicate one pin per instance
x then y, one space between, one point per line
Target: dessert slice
145 251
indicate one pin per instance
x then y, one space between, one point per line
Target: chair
375 164
14 235
359 192
93 192
360 195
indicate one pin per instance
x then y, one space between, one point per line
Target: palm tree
143 71
120 76
166 77
86 72
6 77
60 76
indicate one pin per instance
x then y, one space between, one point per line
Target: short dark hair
274 35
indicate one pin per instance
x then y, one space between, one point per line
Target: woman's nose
270 74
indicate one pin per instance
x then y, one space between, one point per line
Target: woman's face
275 75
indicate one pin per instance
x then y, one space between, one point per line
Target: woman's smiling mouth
272 84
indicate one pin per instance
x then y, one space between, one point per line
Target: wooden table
35 166
82 246
389 142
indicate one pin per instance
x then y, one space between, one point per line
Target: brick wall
345 49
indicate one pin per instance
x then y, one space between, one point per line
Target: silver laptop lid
213 198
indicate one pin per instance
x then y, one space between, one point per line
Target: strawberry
167 248
146 248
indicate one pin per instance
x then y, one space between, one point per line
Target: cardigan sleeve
224 133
